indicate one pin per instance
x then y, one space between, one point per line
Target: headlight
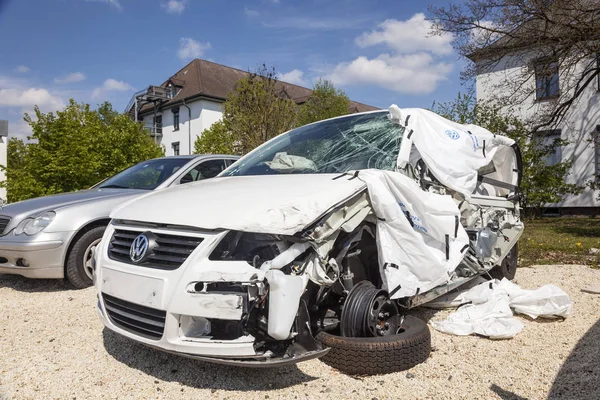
250 247
31 226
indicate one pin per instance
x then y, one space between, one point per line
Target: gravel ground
52 345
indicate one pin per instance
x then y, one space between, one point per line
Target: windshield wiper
113 187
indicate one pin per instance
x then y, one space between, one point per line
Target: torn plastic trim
345 210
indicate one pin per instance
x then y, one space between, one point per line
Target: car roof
198 156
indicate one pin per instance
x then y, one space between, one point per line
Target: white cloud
174 6
190 48
110 85
112 3
70 78
413 62
407 36
18 128
29 97
22 69
295 76
411 73
482 37
251 13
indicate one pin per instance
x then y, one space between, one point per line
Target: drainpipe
189 127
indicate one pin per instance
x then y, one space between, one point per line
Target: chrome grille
169 251
4 221
141 320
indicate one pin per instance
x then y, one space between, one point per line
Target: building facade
580 127
176 112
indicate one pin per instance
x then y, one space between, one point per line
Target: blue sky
378 52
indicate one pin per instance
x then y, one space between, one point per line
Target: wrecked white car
316 244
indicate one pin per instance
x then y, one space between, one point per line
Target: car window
204 170
146 175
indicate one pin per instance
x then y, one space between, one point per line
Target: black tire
379 355
508 268
75 268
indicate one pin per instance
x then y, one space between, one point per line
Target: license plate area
137 289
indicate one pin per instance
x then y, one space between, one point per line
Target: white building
182 107
580 127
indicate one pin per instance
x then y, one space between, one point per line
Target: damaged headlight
253 248
31 226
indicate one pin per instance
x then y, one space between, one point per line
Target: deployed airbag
419 237
453 152
491 305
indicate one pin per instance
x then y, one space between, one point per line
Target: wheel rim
369 312
87 259
383 316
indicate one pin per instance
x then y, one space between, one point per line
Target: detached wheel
508 268
79 260
379 355
375 338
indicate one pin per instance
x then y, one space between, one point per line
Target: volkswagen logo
139 248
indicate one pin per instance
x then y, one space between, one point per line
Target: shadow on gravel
21 284
505 394
578 378
199 374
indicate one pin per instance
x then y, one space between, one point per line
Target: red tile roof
201 78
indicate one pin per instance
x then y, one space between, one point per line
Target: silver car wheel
87 258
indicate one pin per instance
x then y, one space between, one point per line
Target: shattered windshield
333 146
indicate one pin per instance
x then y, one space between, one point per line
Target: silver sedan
55 236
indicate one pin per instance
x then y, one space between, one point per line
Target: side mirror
187 178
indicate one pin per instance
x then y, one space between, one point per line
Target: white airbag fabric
490 311
453 152
414 252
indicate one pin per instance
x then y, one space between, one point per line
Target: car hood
277 204
38 205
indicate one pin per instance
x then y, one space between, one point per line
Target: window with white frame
548 138
547 84
175 118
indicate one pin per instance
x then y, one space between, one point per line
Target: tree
74 149
325 102
540 36
217 139
542 183
257 110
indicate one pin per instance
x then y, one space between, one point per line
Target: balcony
153 130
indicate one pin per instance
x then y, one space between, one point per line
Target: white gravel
52 345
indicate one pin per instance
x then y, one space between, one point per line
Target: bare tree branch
522 34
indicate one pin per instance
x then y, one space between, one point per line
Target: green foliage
255 112
541 183
74 149
216 140
325 102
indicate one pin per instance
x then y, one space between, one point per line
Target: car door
203 170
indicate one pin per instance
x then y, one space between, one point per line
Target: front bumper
38 256
155 306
